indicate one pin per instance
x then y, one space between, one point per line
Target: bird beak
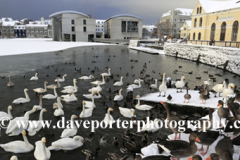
162 102
218 104
46 110
10 108
190 158
76 116
112 109
27 89
45 141
233 87
197 139
24 133
208 158
82 141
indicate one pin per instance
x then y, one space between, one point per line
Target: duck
180 84
54 85
208 82
213 156
61 79
219 88
195 157
22 100
72 87
169 97
69 90
41 90
14 158
222 112
224 148
99 82
34 78
32 129
41 152
70 98
187 96
87 77
119 83
134 86
8 114
91 154
107 74
163 87
51 96
90 104
58 109
237 97
95 89
92 95
108 119
119 97
204 95
39 106
18 146
228 91
143 107
70 132
126 112
86 112
67 144
10 83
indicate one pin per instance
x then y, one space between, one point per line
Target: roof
57 14
184 11
123 15
8 23
36 25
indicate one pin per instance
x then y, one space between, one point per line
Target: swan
228 91
151 126
69 90
134 86
72 87
13 127
22 100
87 77
35 126
95 89
39 107
137 80
70 98
163 86
7 115
92 95
41 90
154 85
90 104
58 109
107 74
207 82
58 103
219 88
51 96
99 82
118 97
129 113
67 143
41 152
58 85
118 83
14 158
85 112
10 83
18 146
142 107
108 119
61 79
180 84
34 78
70 131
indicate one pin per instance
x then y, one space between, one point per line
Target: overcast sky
149 10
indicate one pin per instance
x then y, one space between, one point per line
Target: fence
216 43
116 41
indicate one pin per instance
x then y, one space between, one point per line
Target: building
172 21
185 30
123 26
72 26
99 28
7 29
216 20
149 31
36 30
20 31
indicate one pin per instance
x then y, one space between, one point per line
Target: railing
216 43
107 40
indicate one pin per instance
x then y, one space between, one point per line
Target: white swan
58 85
41 90
95 89
118 83
86 77
69 90
228 91
70 131
107 74
41 152
219 88
180 84
67 144
154 85
134 86
14 158
7 115
151 126
126 112
39 107
137 80
118 97
163 86
99 82
142 107
10 83
90 96
18 146
108 119
207 82
69 98
86 112
90 104
58 103
51 96
34 78
13 127
58 109
36 125
22 100
72 87
61 79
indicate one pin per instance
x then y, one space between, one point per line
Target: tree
164 29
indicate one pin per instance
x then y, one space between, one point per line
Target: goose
39 107
58 109
87 77
95 89
72 87
228 91
10 83
187 96
70 98
118 83
34 78
70 131
18 146
134 86
69 90
51 96
67 144
22 100
6 115
61 79
58 103
222 112
33 129
118 97
58 85
207 82
108 119
107 74
154 85
151 126
137 80
163 87
180 84
99 82
90 104
86 112
89 96
14 158
142 107
41 90
219 88
41 152
129 113
13 126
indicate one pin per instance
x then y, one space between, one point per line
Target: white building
99 28
7 27
72 26
148 31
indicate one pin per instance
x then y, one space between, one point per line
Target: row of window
73 21
99 29
84 29
199 10
98 26
200 22
36 31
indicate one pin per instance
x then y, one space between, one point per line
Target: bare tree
164 29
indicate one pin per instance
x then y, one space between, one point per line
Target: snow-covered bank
148 50
30 45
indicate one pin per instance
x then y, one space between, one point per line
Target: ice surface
148 50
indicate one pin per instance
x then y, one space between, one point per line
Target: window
197 10
84 29
84 21
98 22
185 29
189 36
194 36
195 22
235 31
124 26
72 21
132 26
73 29
200 11
200 22
223 31
199 36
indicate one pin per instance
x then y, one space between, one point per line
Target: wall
208 54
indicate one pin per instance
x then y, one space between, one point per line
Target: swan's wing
68 132
65 143
14 146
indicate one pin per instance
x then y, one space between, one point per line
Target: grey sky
149 10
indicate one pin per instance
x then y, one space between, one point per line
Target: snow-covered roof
4 23
123 15
184 11
36 25
166 14
7 19
149 26
56 14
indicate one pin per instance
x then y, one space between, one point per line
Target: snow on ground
37 45
148 50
